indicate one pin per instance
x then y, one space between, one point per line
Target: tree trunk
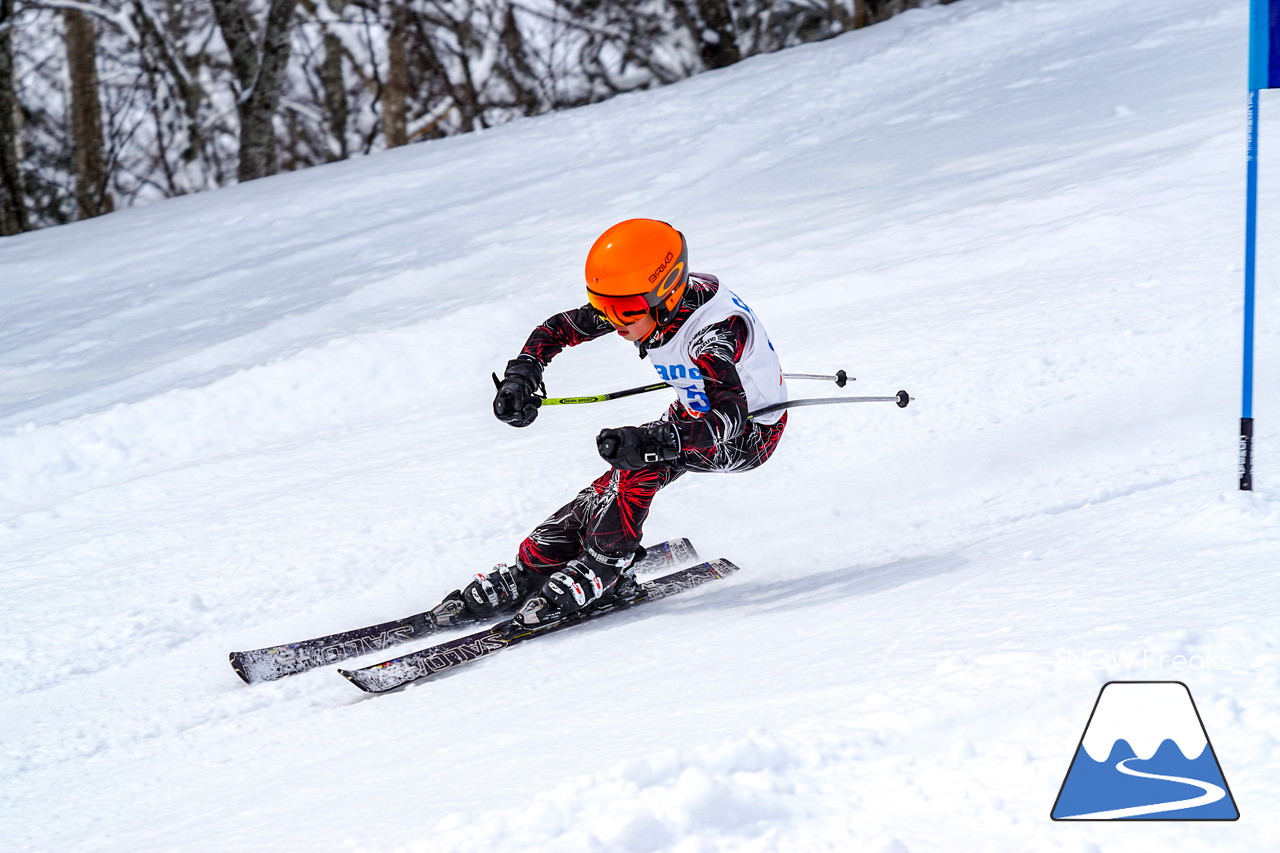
718 39
258 156
336 105
333 85
861 13
261 77
395 120
85 116
13 208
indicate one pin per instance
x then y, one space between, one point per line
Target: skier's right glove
633 448
516 402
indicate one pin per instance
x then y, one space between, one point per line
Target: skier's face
637 331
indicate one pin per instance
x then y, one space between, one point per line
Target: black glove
516 402
632 448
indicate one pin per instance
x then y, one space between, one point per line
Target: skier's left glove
516 402
635 447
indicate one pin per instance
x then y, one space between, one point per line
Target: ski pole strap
497 384
902 398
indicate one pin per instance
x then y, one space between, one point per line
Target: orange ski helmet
637 266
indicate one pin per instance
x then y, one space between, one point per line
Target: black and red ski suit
607 517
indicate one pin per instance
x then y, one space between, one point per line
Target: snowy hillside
262 414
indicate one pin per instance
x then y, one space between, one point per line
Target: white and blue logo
693 393
1145 755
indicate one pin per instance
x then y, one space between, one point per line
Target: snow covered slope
261 414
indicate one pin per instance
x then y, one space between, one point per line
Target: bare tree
861 13
13 208
718 42
85 115
259 69
332 79
177 93
336 102
395 117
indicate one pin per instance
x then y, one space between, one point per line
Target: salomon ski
274 662
379 678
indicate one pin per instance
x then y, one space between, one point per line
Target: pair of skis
273 662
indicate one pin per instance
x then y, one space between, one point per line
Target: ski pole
600 398
840 378
902 398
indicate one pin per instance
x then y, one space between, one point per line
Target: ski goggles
620 310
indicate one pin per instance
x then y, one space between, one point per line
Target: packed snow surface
262 414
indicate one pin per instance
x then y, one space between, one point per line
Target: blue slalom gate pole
1250 268
1264 73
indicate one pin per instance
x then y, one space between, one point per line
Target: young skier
703 341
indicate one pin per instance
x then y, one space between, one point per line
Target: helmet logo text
661 267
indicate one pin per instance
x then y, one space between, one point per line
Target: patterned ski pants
608 516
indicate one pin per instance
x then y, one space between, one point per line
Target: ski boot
485 597
593 579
